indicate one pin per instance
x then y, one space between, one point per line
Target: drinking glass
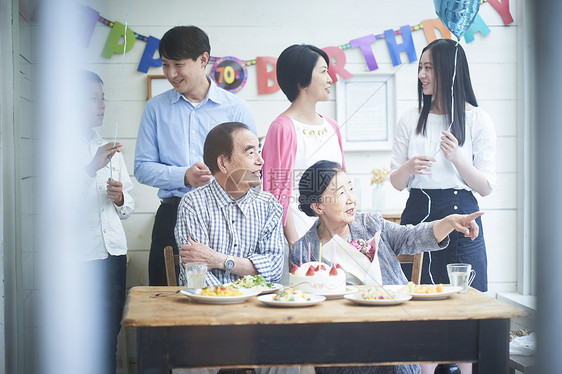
461 275
196 273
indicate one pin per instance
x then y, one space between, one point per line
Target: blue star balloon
457 15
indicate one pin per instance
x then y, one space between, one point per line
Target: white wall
6 124
18 252
264 28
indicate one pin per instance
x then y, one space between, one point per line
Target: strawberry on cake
317 277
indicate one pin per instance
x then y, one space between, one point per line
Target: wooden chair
171 261
416 260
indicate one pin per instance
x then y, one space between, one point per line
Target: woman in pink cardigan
299 136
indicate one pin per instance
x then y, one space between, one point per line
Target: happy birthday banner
231 73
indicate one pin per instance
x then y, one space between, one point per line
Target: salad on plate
253 281
289 294
256 282
376 293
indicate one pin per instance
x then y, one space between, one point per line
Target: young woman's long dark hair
443 61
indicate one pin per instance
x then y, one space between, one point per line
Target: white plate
314 299
337 295
447 291
194 294
276 287
399 299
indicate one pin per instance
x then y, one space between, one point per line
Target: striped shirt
249 227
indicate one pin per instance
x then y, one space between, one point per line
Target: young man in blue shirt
174 125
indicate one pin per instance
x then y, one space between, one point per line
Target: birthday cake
317 277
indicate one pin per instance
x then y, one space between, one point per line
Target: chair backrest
416 261
171 261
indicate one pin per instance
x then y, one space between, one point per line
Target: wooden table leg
493 351
152 350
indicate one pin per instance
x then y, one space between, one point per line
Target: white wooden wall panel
146 199
28 147
29 309
28 265
503 114
24 47
137 272
126 114
25 146
500 230
504 195
128 152
27 204
138 228
27 118
30 347
506 155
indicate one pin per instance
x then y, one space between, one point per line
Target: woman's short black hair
314 182
183 42
219 143
295 66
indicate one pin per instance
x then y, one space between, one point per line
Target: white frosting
320 282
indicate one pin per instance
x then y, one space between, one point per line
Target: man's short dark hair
219 143
295 66
183 42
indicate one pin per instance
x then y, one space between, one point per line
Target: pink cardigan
279 153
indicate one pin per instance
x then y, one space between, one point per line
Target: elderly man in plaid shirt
231 224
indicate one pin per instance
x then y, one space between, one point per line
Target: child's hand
115 191
102 157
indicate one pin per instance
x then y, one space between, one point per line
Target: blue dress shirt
172 133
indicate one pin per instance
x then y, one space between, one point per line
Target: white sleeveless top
314 143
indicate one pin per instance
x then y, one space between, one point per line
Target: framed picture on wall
366 111
156 84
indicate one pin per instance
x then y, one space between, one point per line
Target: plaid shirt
249 227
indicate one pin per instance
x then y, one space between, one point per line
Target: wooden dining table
174 331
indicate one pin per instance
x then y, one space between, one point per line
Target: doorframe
9 341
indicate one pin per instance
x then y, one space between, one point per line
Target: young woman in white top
299 136
446 162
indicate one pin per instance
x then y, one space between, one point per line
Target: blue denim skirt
460 249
